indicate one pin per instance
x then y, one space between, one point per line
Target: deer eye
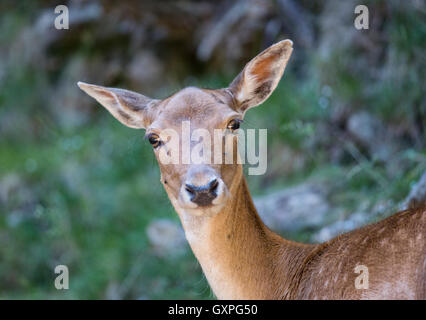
234 124
154 140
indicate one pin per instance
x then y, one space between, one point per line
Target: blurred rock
293 209
74 175
18 201
226 35
69 106
365 127
284 160
356 220
145 71
167 237
35 40
14 192
113 291
298 21
14 123
3 66
371 132
417 194
334 38
9 184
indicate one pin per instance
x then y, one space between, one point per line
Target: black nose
203 195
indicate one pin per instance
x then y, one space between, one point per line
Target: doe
240 257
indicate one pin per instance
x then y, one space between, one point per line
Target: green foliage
83 196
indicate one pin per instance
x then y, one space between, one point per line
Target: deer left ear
261 75
130 108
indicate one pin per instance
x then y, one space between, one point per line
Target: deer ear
261 75
130 108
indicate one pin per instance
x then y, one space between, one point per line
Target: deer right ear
261 75
130 108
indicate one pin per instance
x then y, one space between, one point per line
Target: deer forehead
203 108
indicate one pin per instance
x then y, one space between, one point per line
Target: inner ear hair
261 75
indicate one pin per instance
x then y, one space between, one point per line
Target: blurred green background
346 131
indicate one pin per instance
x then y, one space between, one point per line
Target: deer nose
202 195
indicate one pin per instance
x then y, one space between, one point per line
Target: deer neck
240 257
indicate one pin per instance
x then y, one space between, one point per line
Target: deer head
198 188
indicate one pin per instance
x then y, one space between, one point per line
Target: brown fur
255 263
240 256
